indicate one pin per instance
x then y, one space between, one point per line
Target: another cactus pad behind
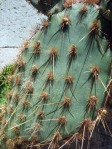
43 5
61 85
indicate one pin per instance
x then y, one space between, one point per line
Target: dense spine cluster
62 83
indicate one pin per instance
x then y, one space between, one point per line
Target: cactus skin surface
62 83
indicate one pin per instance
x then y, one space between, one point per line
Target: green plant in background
62 84
4 82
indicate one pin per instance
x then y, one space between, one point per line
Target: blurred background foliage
4 83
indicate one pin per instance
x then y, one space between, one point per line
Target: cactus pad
62 82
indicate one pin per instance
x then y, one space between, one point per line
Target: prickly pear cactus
62 83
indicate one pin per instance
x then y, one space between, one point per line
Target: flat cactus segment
61 82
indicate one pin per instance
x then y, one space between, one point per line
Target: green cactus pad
62 82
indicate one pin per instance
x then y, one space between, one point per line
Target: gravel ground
18 20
